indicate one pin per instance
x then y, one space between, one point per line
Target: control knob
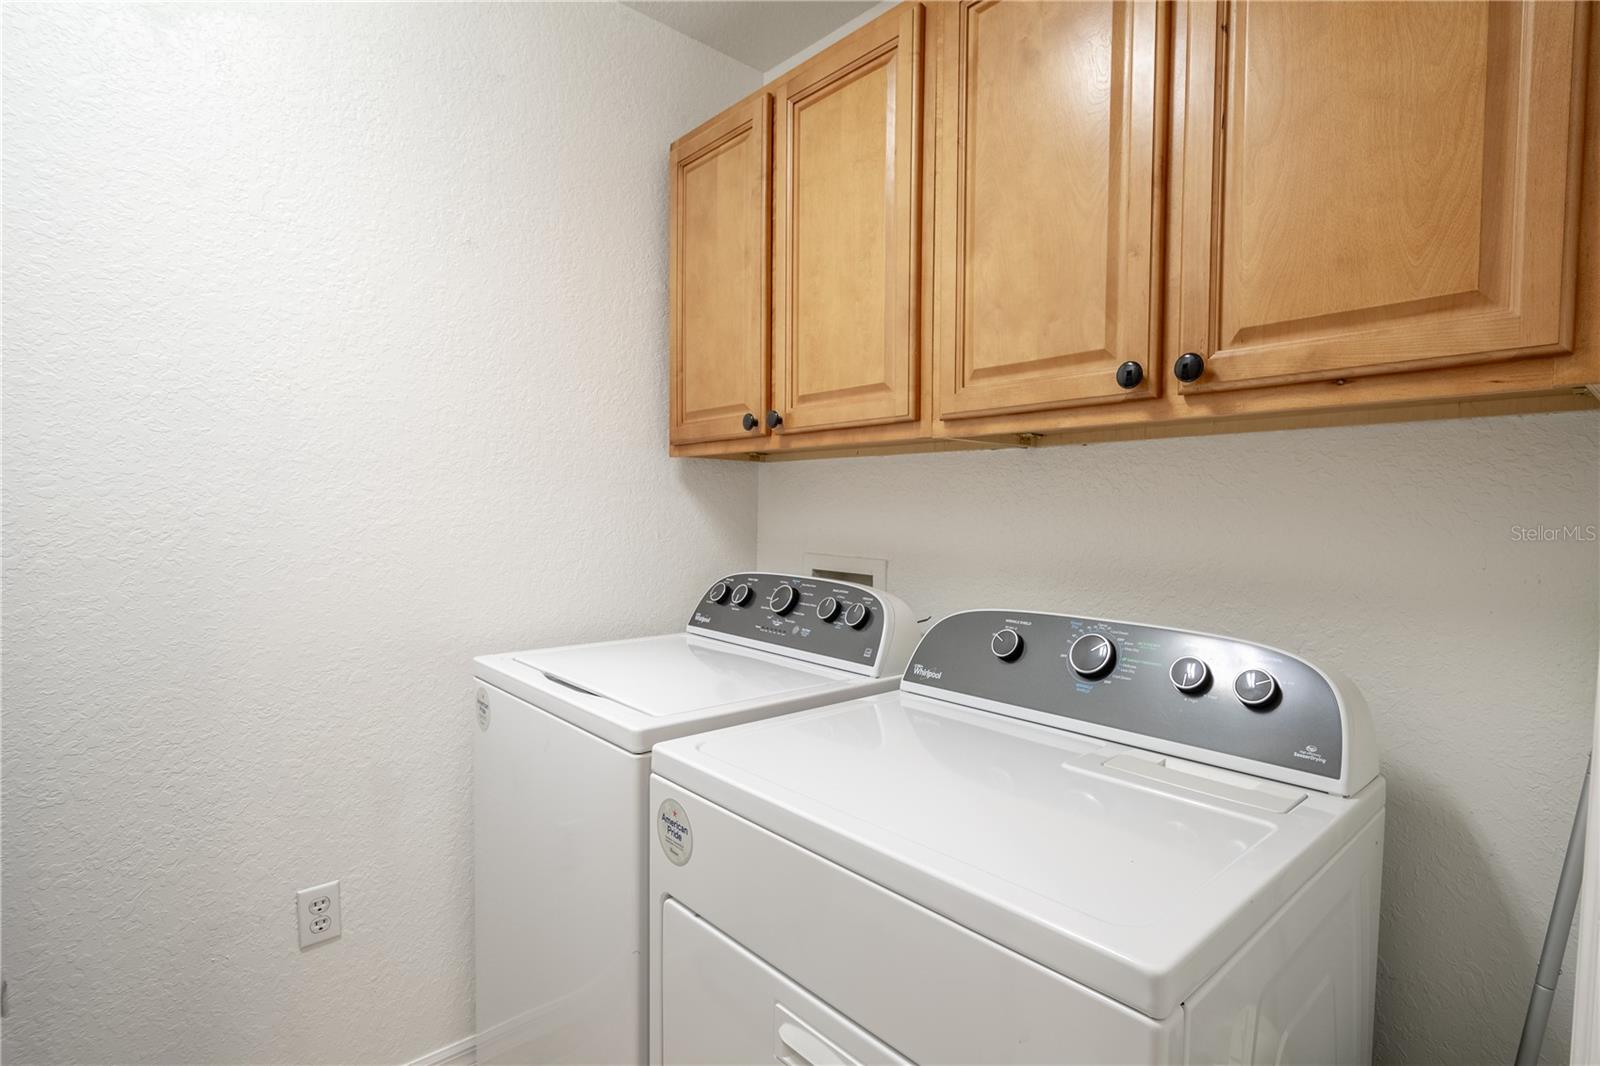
827 609
1006 644
1255 688
1189 675
856 615
742 594
718 593
783 599
1092 656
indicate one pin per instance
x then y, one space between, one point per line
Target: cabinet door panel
845 231
1047 193
721 260
1377 187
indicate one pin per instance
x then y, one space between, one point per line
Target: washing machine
1062 840
561 761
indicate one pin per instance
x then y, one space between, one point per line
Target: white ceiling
758 33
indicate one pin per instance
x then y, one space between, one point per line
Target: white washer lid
637 692
1138 882
675 675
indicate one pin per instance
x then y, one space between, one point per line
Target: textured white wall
837 35
1385 551
334 354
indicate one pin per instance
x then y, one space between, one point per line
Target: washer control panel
1204 692
832 619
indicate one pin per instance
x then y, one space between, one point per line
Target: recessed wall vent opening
874 573
844 575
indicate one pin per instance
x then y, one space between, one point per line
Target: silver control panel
1204 692
832 619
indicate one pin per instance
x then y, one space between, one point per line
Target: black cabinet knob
750 422
1129 374
1189 367
774 420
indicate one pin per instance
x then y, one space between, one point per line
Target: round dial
1006 644
742 594
828 609
1255 688
783 599
1190 675
856 615
718 593
1092 656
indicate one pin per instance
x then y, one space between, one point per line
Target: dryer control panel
834 622
1201 697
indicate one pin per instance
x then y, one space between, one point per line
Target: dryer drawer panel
721 1004
915 980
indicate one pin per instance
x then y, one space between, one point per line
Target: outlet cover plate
317 911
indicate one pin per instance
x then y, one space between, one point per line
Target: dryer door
721 1004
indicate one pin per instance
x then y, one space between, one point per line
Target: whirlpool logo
922 671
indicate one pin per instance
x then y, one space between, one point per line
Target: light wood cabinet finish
1356 212
1048 198
845 348
721 182
1376 187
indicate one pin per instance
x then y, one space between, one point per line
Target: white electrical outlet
317 910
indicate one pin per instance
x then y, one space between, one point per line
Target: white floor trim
462 1051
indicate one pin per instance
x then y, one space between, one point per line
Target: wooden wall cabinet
720 262
1048 194
1370 188
984 212
846 340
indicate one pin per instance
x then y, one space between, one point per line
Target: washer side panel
1302 989
560 877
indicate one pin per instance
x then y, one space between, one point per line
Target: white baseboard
461 1052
